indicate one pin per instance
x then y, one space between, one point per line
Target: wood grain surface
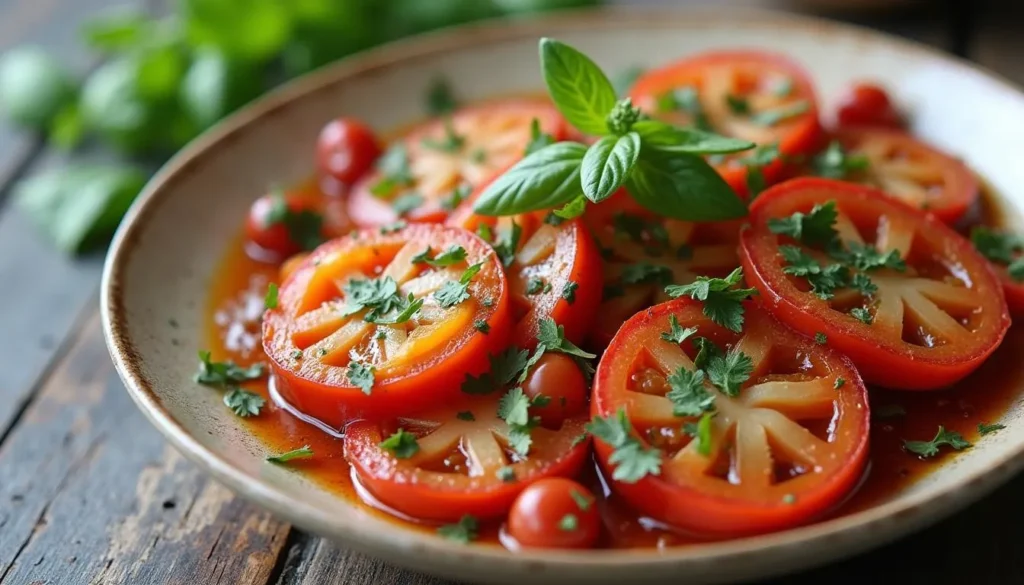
91 494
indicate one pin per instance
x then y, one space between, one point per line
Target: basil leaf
579 88
34 87
668 138
682 186
607 164
547 178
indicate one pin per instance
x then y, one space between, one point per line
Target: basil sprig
659 164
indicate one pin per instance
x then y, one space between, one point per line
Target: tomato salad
688 314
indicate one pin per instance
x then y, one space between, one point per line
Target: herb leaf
538 138
580 90
453 255
505 367
514 407
440 99
545 179
836 163
633 462
676 333
452 293
464 531
244 403
814 228
927 449
301 453
723 304
552 336
729 372
224 373
701 432
682 186
668 138
402 444
361 376
687 393
270 299
985 429
607 163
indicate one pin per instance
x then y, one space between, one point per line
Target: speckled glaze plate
168 247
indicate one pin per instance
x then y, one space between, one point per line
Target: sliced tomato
318 331
912 171
644 252
785 449
752 95
925 327
554 271
461 466
444 159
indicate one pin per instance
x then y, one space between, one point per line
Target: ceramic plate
175 235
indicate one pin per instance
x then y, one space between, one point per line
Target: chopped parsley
644 273
464 531
651 234
685 99
304 452
687 393
867 258
632 460
452 293
701 432
439 98
723 303
393 166
779 114
406 203
538 138
552 337
361 376
816 228
676 333
568 523
506 244
1001 248
737 104
861 314
836 163
706 349
569 292
820 338
984 429
244 403
730 371
926 449
402 444
514 407
453 255
505 367
225 373
506 474
839 383
380 298
534 286
482 326
456 197
451 143
304 226
270 299
761 157
824 280
390 228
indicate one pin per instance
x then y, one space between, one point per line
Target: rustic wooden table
90 492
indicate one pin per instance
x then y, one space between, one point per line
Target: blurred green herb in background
165 80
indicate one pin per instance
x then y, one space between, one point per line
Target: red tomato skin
534 520
961 184
704 513
876 363
801 140
272 242
380 477
336 403
346 149
557 377
1014 292
867 104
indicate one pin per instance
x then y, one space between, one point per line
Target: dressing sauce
235 305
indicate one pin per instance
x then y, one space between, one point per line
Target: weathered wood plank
92 494
316 561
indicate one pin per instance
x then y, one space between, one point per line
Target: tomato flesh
555 513
931 324
912 171
786 449
757 96
457 469
448 157
346 149
311 337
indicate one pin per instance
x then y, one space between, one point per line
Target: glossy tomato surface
281 224
425 173
644 252
346 149
463 464
868 104
324 324
788 446
924 327
911 170
758 96
554 271
555 513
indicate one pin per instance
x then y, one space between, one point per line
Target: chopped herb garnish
453 255
451 142
820 338
534 286
839 383
379 296
737 104
824 280
685 99
569 292
506 245
570 210
701 432
867 258
464 531
506 474
927 449
390 228
688 395
836 163
984 429
224 373
723 303
1001 248
505 367
761 157
482 326
863 315
452 293
456 197
304 226
816 228
706 349
583 502
244 403
270 299
676 333
361 376
568 523
393 166
406 203
514 407
301 453
632 461
538 138
552 336
402 444
730 371
580 439
774 116
296 354
439 99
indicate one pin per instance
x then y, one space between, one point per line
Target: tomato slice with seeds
930 324
444 158
645 252
455 471
752 95
555 271
910 170
320 325
788 447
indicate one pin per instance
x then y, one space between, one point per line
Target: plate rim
909 513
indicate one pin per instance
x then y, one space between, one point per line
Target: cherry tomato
752 95
787 443
338 348
867 104
424 175
346 150
291 265
924 325
282 224
555 513
554 271
645 252
463 463
559 380
910 170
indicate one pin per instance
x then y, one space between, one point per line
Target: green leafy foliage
227 373
687 393
607 163
730 371
361 376
453 292
943 437
676 333
401 444
34 87
723 302
631 459
836 163
1001 248
304 452
464 531
816 228
244 403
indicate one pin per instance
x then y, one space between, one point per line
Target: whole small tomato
867 104
555 513
346 149
559 380
280 225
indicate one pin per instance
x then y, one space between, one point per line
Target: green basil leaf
668 138
34 87
682 186
607 164
580 90
117 31
67 128
215 86
547 178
